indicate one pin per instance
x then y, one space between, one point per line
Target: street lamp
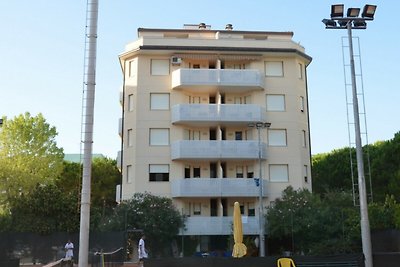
260 125
353 21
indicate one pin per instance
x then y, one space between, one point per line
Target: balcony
213 114
220 226
228 80
216 150
217 187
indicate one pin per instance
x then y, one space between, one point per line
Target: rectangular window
239 172
304 138
132 68
276 103
196 172
159 67
159 172
305 173
196 208
251 210
277 137
238 136
301 104
250 172
130 137
159 137
238 100
129 174
274 68
159 101
278 173
300 68
130 102
187 171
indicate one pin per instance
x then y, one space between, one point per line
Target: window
130 102
275 102
159 137
191 135
239 172
277 137
130 137
159 67
159 101
305 173
278 173
196 172
159 172
251 210
187 171
132 68
304 138
238 136
274 68
196 208
129 174
250 172
301 104
300 69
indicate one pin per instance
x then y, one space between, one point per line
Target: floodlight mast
87 127
353 21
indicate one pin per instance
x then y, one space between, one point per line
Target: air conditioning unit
176 60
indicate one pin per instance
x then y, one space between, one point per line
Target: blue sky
41 60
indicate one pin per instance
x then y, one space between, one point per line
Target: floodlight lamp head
359 24
353 12
329 23
369 11
337 11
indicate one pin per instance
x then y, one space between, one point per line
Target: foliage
313 225
384 216
28 156
45 210
155 216
331 171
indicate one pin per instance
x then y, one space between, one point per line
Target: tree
302 222
156 216
45 210
29 154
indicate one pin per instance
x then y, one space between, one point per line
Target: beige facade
188 98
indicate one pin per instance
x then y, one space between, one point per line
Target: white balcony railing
220 225
217 187
214 150
249 79
213 113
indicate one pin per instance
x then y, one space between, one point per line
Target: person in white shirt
142 250
69 250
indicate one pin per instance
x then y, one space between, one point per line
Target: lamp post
353 21
260 125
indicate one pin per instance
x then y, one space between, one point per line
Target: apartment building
189 97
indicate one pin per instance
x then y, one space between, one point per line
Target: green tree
45 210
105 177
156 216
312 225
29 154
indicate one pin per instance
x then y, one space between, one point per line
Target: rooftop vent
228 27
202 26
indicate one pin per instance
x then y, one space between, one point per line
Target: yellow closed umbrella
239 249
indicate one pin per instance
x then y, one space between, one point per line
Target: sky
42 56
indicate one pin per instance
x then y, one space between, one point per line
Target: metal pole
88 113
260 199
365 228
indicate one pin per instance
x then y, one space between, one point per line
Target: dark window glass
159 177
